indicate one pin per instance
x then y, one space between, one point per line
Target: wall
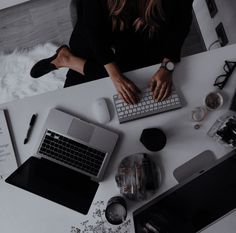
226 14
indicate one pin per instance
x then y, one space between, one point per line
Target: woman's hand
161 84
126 89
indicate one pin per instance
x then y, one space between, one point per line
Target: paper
8 162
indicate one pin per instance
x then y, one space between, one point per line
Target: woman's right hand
126 89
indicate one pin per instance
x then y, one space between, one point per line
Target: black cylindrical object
116 210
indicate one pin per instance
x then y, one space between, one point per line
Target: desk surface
24 212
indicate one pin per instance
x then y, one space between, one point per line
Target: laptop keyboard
73 153
147 106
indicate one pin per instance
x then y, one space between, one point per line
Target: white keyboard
146 106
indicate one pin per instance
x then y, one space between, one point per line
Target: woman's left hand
161 84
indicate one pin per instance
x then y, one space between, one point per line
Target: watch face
170 66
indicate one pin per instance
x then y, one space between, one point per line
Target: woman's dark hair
147 11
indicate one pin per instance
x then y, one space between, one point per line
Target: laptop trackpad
81 130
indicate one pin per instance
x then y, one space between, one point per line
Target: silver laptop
76 144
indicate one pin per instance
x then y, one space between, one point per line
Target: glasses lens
220 79
226 67
229 66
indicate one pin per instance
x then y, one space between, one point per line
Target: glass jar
224 130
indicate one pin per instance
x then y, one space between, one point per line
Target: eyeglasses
221 80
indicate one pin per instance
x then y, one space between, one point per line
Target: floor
39 21
35 22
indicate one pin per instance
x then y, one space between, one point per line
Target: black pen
31 124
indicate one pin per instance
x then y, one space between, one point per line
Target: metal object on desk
197 165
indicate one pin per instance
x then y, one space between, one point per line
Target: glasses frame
228 67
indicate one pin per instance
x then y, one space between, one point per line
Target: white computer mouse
101 111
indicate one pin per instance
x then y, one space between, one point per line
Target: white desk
24 212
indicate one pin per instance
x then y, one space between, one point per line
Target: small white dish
199 113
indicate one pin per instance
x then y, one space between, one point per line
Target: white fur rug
15 79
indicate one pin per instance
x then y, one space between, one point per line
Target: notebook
7 154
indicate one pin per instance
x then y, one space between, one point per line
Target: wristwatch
168 65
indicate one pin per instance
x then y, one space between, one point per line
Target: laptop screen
56 183
191 206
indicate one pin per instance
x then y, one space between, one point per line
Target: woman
114 36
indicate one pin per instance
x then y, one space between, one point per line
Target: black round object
153 139
116 210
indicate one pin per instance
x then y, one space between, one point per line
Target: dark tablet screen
56 183
191 206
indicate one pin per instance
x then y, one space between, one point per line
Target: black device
211 5
233 102
220 31
194 203
56 183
